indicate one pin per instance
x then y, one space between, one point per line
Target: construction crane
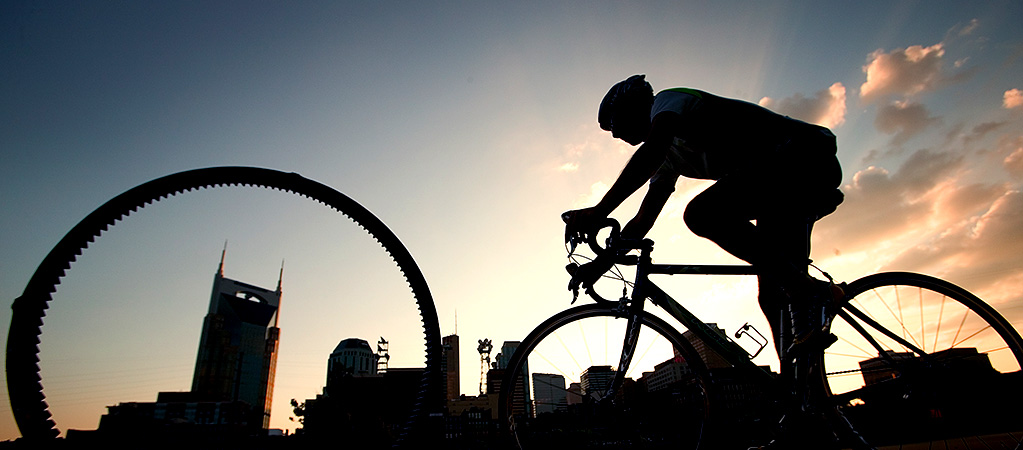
484 348
382 355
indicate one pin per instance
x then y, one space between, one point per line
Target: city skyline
467 129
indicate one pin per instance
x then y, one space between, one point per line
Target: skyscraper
238 349
596 380
449 362
549 393
521 391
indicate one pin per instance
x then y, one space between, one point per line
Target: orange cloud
902 72
826 108
925 217
1014 162
982 251
1013 98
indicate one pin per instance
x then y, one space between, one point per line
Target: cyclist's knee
700 219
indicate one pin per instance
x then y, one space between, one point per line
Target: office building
237 356
596 380
351 357
666 374
449 366
710 358
549 393
575 393
522 384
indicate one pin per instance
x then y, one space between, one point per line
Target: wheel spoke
961 324
552 364
937 332
586 344
956 344
578 366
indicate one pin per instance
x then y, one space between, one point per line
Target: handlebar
615 235
613 249
589 237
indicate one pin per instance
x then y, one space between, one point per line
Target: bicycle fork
628 347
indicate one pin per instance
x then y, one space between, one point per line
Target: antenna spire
280 279
223 253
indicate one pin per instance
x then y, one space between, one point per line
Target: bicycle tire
672 418
24 383
953 372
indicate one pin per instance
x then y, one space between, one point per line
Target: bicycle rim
663 401
921 360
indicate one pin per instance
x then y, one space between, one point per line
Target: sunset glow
468 129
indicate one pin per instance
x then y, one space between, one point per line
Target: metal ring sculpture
24 383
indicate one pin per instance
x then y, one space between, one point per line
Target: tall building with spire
449 365
237 356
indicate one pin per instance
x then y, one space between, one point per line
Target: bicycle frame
644 289
804 388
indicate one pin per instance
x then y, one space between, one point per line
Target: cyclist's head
625 110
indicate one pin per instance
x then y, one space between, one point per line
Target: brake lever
572 244
574 287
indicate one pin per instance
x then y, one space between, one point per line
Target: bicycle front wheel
557 389
922 360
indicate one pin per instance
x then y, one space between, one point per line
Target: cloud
976 134
904 120
902 72
597 191
826 108
966 30
881 206
1013 163
983 251
569 167
926 217
1013 98
588 150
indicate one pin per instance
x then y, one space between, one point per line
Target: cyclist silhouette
780 172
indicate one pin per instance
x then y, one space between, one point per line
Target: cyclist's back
716 136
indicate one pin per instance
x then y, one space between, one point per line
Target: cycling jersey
718 135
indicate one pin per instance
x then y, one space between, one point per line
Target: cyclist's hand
588 274
580 224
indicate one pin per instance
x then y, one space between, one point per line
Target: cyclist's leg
793 248
778 245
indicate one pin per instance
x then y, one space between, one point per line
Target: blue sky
468 128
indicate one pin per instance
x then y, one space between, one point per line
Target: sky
466 127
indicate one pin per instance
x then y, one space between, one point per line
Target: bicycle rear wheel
570 360
922 360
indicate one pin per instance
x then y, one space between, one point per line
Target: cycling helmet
625 96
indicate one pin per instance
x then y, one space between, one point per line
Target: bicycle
895 374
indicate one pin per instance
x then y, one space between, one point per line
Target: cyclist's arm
643 163
660 189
